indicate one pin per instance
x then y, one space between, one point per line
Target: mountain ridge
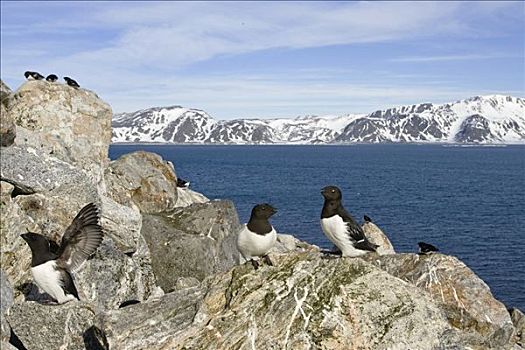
489 119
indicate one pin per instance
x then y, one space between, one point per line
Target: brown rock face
145 179
73 125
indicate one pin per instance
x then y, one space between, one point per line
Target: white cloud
465 57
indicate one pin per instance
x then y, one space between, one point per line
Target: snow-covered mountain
480 119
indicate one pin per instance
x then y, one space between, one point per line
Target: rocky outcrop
145 179
465 298
7 124
194 241
160 238
44 327
304 301
73 125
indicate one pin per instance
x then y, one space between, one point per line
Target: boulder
145 179
194 241
6 300
73 125
146 325
111 277
466 299
303 302
44 327
7 123
31 171
518 319
186 197
377 236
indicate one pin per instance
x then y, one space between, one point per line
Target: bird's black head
39 247
35 241
27 74
263 211
331 193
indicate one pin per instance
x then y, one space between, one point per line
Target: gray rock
186 197
121 223
7 123
377 236
518 319
194 241
6 300
45 327
147 325
72 124
466 299
31 171
303 302
144 179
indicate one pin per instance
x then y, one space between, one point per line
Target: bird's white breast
252 245
47 277
336 230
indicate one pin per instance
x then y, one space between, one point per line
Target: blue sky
270 59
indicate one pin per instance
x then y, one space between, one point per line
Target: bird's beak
274 210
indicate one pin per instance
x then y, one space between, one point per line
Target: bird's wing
67 283
81 238
354 230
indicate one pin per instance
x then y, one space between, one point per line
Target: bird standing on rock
52 273
257 237
425 248
340 227
51 78
33 75
71 82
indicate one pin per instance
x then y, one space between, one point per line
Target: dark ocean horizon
468 201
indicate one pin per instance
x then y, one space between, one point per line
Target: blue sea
467 201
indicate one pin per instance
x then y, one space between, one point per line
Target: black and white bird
182 183
33 75
425 248
340 227
257 237
52 273
52 78
71 82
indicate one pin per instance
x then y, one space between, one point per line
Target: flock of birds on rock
52 271
52 78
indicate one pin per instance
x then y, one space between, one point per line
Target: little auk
425 248
340 227
51 78
182 183
52 273
33 75
257 237
71 82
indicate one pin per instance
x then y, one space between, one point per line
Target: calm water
468 201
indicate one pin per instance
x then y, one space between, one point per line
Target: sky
269 59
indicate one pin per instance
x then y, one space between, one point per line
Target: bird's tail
366 245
